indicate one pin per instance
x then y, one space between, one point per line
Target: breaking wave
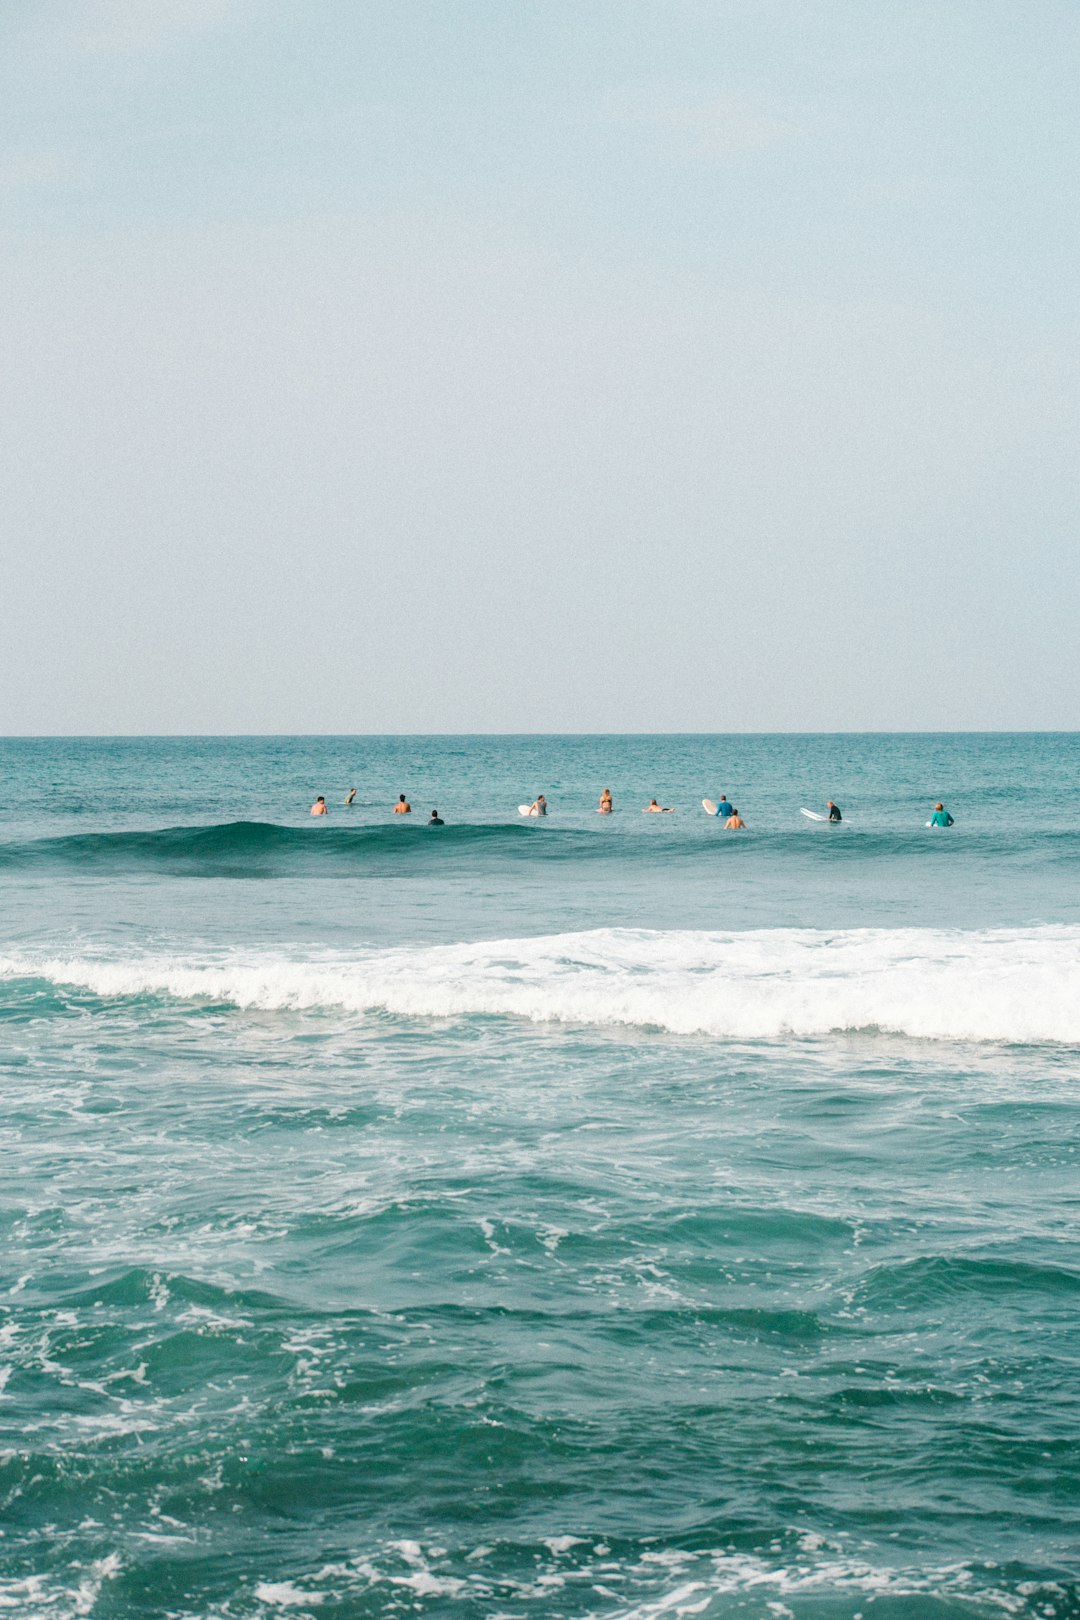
1017 986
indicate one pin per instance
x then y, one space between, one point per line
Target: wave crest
1005 985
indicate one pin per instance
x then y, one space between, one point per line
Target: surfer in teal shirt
940 817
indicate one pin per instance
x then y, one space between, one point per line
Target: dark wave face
262 849
254 848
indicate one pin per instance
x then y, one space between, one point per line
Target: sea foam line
1002 985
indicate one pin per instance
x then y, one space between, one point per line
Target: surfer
940 817
725 808
350 796
654 809
734 821
319 807
436 820
834 812
538 806
606 805
403 807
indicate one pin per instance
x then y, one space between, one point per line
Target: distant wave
267 849
248 847
1003 985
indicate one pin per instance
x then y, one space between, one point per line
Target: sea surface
591 1217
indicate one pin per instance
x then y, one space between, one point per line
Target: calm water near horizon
589 1217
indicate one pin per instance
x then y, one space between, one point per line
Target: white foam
284 1595
1010 985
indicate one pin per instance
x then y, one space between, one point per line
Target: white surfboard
526 810
812 815
709 806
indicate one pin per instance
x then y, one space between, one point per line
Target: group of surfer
724 809
402 808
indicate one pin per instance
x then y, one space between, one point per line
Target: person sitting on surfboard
403 807
834 812
654 809
940 817
319 807
606 805
538 806
350 796
725 808
734 821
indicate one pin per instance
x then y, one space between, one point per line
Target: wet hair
401 798
939 805
434 812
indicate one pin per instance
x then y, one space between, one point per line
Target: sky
538 365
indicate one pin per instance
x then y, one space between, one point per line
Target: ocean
589 1217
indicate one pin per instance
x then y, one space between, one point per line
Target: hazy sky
424 365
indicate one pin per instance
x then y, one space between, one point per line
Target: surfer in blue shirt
725 808
940 817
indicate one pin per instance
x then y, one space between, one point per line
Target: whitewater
1002 985
596 1219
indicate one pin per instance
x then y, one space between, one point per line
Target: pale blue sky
608 365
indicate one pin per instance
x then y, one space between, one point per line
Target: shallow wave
1017 986
266 849
236 845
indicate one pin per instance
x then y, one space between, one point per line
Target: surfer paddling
654 809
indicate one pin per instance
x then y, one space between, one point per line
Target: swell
254 846
259 848
1013 986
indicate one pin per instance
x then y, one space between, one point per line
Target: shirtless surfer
319 807
734 821
403 807
654 809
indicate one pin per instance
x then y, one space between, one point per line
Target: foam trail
1005 985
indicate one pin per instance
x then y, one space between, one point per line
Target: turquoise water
591 1217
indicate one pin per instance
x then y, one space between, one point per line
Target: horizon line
246 736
